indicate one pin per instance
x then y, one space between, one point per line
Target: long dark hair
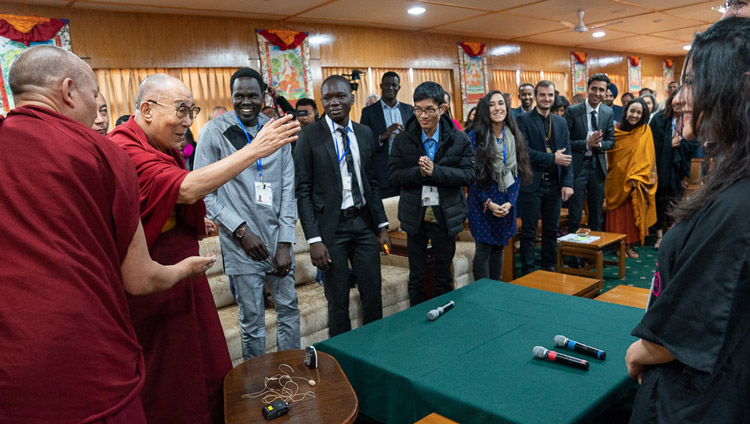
668 112
624 124
717 68
483 156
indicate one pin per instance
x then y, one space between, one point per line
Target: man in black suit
386 118
339 205
592 133
432 161
549 153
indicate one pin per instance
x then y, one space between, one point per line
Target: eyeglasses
429 111
182 111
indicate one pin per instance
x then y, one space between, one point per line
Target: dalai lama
184 346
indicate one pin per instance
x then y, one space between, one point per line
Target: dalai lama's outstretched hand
274 135
197 265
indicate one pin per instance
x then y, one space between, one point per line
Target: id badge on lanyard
430 196
263 194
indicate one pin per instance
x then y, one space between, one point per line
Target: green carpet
638 272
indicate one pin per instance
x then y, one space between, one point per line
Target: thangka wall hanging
668 74
285 62
579 70
472 65
634 74
17 33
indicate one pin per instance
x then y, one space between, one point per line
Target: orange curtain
621 81
532 77
210 88
444 77
561 81
505 81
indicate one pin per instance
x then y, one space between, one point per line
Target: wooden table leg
559 259
599 265
622 259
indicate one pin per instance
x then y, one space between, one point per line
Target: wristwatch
240 231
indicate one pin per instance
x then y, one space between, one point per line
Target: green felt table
475 364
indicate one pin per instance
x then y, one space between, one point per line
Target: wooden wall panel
137 40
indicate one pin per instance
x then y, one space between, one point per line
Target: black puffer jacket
454 170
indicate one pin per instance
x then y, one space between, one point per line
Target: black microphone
563 341
553 356
435 313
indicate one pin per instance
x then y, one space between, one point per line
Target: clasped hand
426 166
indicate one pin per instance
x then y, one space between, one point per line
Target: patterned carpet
638 272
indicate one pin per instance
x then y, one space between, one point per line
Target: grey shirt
234 202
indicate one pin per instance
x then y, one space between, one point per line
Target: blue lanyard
259 161
674 125
505 155
348 146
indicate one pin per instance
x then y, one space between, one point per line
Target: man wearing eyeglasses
183 342
256 212
432 161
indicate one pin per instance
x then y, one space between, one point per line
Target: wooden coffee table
593 253
560 283
626 295
435 418
334 402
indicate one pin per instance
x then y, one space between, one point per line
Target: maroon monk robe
69 210
179 329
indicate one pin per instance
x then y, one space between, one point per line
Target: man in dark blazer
549 153
432 161
592 133
339 205
386 118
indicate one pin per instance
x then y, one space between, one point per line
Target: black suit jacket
534 132
373 117
578 125
318 178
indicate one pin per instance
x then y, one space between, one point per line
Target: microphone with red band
561 358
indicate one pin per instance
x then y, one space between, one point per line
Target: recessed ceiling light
686 47
416 10
598 34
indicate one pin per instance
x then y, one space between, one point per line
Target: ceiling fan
581 27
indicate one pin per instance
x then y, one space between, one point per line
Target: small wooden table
561 283
435 418
626 295
593 252
334 402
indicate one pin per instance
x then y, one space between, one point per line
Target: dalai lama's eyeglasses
182 111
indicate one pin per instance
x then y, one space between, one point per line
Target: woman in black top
673 155
693 351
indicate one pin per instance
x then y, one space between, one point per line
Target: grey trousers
252 316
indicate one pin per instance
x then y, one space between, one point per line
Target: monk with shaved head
186 352
73 246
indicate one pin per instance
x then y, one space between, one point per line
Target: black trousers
547 200
354 241
588 186
488 261
444 247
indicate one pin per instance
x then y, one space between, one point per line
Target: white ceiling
659 27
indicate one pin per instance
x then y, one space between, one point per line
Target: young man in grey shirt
257 212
